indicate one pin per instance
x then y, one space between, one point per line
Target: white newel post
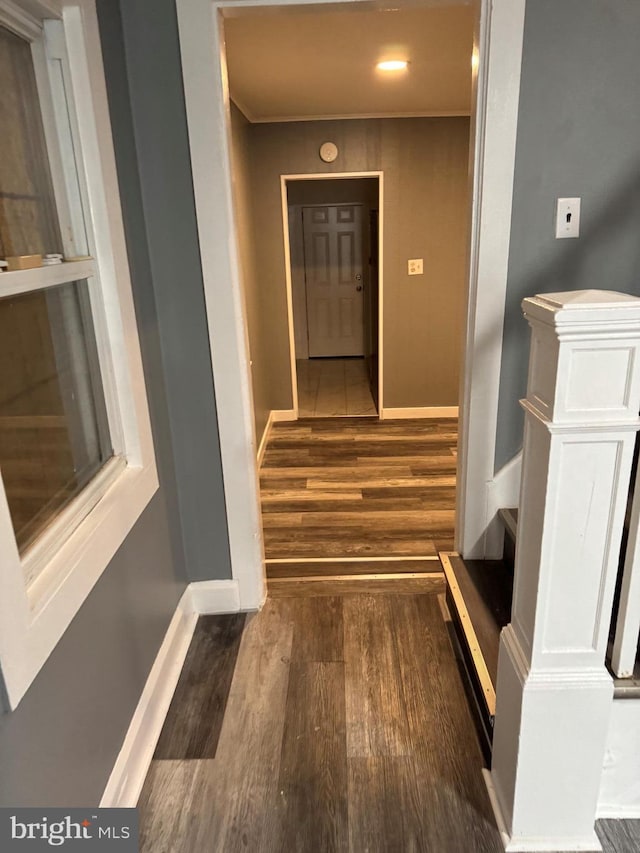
554 694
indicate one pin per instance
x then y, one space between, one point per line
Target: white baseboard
619 795
265 439
503 491
419 412
132 764
279 415
275 416
614 811
533 845
209 597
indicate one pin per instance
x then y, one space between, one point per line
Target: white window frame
42 589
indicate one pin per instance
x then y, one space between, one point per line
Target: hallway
345 729
358 495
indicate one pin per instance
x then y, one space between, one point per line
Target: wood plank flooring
342 727
346 729
358 488
397 583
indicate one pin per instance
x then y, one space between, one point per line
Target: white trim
498 44
28 636
283 415
25 18
132 764
207 108
57 130
619 794
41 278
615 812
342 116
495 806
33 619
289 289
253 119
264 440
503 492
419 412
275 416
208 118
133 761
324 176
42 552
541 845
209 597
280 560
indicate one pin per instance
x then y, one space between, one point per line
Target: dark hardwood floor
345 729
358 488
321 724
334 719
193 724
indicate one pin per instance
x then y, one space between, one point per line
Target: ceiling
300 64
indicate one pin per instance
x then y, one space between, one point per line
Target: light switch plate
415 266
567 218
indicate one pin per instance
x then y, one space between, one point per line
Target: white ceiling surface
298 65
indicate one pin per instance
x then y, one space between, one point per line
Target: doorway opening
371 491
497 44
332 226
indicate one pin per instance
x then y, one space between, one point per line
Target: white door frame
287 261
497 54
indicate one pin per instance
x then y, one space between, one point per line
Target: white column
554 693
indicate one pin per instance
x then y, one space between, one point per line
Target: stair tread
328 567
487 589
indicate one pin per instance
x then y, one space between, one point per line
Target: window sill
39 278
30 632
38 559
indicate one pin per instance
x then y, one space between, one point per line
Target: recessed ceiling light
392 65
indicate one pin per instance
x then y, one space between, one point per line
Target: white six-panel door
334 279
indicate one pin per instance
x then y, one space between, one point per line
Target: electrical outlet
415 266
567 218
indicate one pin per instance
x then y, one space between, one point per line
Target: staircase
479 594
563 749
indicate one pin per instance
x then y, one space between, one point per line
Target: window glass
28 218
54 433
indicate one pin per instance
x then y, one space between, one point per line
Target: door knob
359 288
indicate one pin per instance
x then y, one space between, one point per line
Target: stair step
327 567
479 594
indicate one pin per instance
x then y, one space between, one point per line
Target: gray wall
578 135
59 746
162 145
425 164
